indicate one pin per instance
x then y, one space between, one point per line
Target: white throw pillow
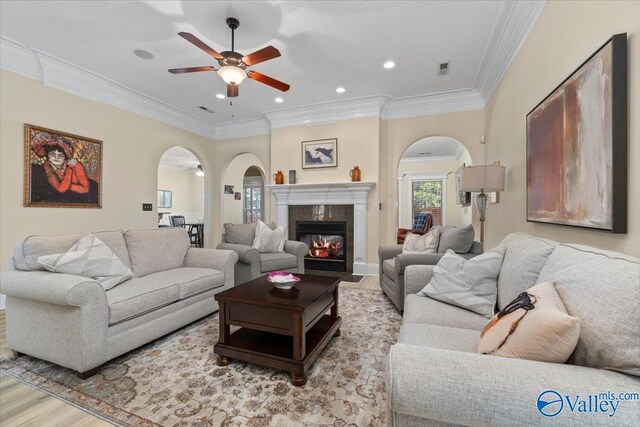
89 257
268 240
535 326
470 284
421 244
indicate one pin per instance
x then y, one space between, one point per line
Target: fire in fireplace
327 244
326 247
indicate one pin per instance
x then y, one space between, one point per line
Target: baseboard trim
363 269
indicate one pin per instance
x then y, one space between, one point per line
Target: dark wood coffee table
282 329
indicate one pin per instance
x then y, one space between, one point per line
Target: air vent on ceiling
443 68
425 153
203 108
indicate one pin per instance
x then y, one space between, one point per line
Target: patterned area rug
174 381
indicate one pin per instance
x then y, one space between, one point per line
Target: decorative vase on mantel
278 177
355 174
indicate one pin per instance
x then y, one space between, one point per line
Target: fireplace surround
347 193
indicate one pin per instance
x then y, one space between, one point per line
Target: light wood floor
21 405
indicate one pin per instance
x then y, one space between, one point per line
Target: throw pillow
469 284
534 326
419 244
458 239
242 234
89 257
268 240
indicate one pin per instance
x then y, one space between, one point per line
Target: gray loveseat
435 377
251 263
72 321
392 262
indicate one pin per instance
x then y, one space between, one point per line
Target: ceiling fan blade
232 91
261 55
199 43
254 75
191 69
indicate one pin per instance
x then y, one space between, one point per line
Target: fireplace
327 241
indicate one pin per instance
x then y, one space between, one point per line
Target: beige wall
396 135
358 145
565 34
187 193
455 214
234 175
132 148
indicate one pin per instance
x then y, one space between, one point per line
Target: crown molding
242 129
59 74
19 59
429 105
327 113
515 20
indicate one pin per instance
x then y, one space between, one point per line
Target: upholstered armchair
393 262
251 263
422 222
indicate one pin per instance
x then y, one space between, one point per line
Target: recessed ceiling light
340 89
220 96
279 100
144 54
389 64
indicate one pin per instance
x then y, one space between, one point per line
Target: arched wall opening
181 187
243 198
428 181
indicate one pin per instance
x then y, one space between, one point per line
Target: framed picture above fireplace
320 153
577 146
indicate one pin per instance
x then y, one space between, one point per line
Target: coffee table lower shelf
275 350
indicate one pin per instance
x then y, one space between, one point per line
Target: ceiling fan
233 65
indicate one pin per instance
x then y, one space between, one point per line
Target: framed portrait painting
61 170
321 153
577 146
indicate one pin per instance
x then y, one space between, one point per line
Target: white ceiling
434 146
180 159
324 44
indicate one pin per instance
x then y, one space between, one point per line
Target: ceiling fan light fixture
232 75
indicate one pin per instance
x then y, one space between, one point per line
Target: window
164 198
252 211
427 196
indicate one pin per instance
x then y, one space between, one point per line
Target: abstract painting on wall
577 146
61 170
321 153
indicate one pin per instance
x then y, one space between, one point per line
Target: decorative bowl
282 279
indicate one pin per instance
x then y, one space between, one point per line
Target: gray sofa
392 262
435 377
72 321
251 263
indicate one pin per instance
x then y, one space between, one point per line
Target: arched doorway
180 187
427 182
243 198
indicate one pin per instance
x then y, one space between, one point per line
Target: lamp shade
483 178
232 75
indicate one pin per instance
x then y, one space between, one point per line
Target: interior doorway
180 187
428 182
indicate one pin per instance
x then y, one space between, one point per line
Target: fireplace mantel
338 193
